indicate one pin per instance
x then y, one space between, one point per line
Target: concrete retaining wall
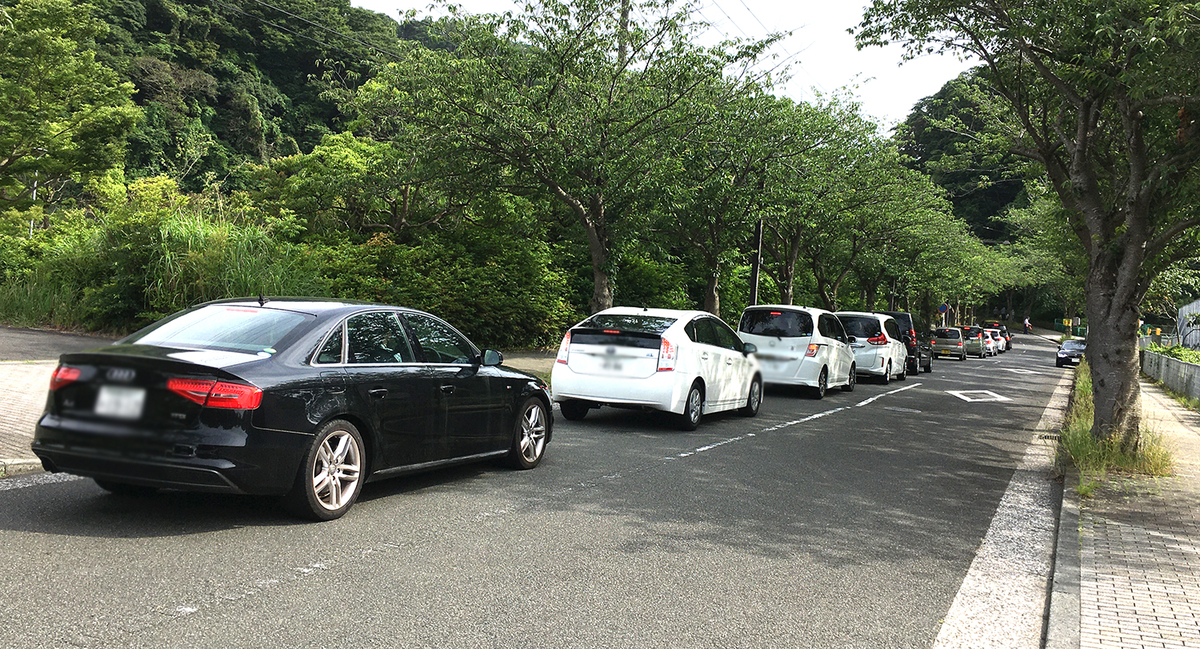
1180 376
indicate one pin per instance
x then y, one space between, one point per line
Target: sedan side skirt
424 466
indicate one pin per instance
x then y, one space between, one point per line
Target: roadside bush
1094 458
1177 352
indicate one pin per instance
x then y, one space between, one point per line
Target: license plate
120 402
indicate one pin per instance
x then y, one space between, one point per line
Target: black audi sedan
308 399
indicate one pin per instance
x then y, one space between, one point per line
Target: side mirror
492 357
749 348
851 339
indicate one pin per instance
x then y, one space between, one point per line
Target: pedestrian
1028 327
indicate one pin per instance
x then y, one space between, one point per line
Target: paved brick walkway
1140 546
25 397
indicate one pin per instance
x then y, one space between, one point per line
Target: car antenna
262 301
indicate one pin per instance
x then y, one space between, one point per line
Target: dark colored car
916 340
306 399
1070 352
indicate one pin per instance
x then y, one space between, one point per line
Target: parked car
875 339
1004 332
999 341
799 345
989 344
973 340
1070 352
948 341
919 353
684 362
307 399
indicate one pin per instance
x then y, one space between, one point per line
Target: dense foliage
510 173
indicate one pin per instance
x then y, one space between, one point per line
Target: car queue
309 399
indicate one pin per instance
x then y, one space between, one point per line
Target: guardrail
1180 376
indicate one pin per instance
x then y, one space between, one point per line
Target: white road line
879 396
1002 600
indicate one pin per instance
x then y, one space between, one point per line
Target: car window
331 351
782 323
892 328
725 336
646 324
704 332
832 328
1074 344
860 326
224 326
377 337
439 342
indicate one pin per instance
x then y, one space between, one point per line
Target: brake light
776 313
933 342
878 340
217 394
63 375
666 356
812 349
564 349
913 333
611 331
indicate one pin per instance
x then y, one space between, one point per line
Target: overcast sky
825 58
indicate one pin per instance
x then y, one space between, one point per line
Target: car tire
753 399
124 488
818 392
1057 364
903 372
573 410
929 366
337 447
693 409
916 367
850 380
887 374
963 357
529 434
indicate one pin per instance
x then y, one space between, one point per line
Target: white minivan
879 350
799 345
684 362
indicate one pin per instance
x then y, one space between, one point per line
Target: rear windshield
972 332
785 324
948 334
621 330
860 327
223 326
643 324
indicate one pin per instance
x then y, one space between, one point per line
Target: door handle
448 389
729 361
704 356
378 392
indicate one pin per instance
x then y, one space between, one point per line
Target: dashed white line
880 396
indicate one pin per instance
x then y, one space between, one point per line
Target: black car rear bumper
254 462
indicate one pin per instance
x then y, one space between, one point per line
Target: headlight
1062 354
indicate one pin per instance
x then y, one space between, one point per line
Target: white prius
684 362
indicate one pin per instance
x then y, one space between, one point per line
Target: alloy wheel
336 470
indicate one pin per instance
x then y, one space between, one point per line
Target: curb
19 467
1063 613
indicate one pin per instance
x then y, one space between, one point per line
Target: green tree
568 99
1104 97
63 115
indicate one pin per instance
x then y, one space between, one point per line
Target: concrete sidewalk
1127 568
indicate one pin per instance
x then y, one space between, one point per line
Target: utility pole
756 262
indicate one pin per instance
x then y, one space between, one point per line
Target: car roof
787 307
864 314
309 305
678 314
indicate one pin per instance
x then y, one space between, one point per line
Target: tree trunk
1113 357
712 295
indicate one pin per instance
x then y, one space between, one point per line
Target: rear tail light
878 340
958 343
666 356
812 349
564 349
217 394
912 333
63 375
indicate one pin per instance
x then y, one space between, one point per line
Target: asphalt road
845 522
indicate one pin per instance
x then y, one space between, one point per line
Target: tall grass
1095 458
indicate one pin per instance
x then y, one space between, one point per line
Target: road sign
943 308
